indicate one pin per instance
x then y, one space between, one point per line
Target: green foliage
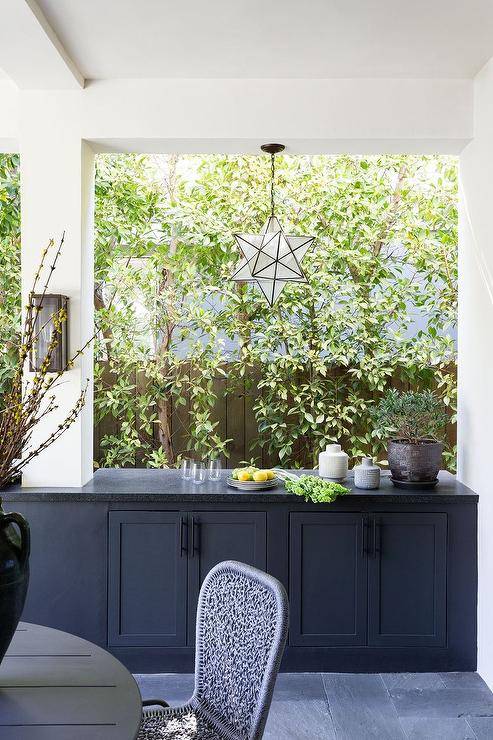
385 254
10 279
315 489
171 320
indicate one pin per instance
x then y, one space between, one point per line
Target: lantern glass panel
44 332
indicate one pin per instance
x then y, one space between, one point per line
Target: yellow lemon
260 476
244 475
270 474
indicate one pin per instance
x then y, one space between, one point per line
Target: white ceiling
273 38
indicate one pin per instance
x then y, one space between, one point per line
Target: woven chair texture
242 623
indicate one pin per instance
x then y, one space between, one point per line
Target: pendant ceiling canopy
272 258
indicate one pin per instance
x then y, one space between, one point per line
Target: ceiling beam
30 51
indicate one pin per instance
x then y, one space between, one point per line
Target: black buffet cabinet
377 581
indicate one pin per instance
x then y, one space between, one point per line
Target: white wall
56 196
238 115
476 345
9 117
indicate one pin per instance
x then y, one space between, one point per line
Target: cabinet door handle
364 529
195 535
183 536
376 536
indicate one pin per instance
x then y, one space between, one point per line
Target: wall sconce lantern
50 311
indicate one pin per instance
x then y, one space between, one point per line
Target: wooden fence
233 411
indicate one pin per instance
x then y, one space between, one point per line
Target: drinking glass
215 469
198 473
186 468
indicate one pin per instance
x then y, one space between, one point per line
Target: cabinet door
327 579
147 578
222 535
408 580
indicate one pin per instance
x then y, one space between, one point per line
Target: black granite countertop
146 486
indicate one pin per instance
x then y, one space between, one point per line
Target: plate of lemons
252 479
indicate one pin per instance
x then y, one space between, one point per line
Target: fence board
180 421
108 426
251 432
219 412
142 385
235 421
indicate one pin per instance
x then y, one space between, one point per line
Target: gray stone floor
350 706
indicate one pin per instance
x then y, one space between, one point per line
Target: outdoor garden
189 362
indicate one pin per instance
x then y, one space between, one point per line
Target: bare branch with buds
29 399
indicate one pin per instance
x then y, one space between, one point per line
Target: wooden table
55 686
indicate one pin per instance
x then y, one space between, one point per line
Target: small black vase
14 574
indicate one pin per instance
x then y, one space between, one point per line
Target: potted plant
414 422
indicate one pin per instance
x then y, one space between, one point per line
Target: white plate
252 485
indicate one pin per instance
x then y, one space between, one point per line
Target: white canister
367 475
333 463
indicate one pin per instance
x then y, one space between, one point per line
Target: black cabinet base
311 660
374 660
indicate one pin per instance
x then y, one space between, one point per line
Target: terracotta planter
415 463
14 574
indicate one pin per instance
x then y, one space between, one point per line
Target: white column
57 188
475 412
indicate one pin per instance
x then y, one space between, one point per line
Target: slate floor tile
307 719
299 686
299 709
482 726
361 708
442 702
464 680
412 681
175 688
440 728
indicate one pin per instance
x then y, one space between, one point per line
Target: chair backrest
242 624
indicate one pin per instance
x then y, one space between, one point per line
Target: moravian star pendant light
271 259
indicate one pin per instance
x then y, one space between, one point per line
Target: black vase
14 574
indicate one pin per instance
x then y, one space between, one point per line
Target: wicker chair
242 623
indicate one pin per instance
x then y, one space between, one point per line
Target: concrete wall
476 345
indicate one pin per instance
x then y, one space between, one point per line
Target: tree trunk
164 410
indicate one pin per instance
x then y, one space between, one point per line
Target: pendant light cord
273 172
